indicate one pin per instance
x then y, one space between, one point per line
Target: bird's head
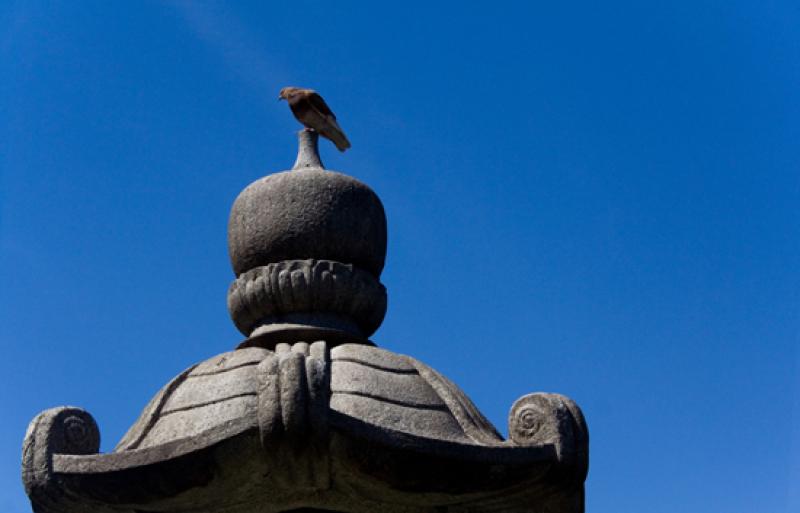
287 93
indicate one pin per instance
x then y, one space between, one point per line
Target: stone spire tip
308 150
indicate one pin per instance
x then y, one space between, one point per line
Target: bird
311 110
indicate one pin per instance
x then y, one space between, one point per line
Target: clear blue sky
598 199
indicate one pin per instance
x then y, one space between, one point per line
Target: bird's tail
338 137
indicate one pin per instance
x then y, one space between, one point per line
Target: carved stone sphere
307 213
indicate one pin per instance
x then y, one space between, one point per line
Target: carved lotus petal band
306 286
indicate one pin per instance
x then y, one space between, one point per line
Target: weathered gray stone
308 151
307 247
306 415
325 418
320 293
310 213
63 430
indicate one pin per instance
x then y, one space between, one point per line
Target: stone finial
308 150
308 247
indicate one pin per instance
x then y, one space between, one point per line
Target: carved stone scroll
64 430
541 418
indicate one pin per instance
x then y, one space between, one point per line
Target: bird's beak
280 98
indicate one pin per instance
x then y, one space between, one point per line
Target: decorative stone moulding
284 292
306 414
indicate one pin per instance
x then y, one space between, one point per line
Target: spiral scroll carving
306 286
64 430
81 435
552 419
528 422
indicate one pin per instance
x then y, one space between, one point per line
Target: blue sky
596 199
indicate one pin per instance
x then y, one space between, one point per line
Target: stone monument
307 414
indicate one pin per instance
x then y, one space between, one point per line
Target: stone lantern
307 413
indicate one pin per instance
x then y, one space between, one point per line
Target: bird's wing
319 104
320 117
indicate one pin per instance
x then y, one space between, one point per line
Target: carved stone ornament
292 288
306 414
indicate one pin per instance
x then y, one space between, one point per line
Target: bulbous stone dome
307 213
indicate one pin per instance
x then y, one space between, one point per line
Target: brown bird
311 110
